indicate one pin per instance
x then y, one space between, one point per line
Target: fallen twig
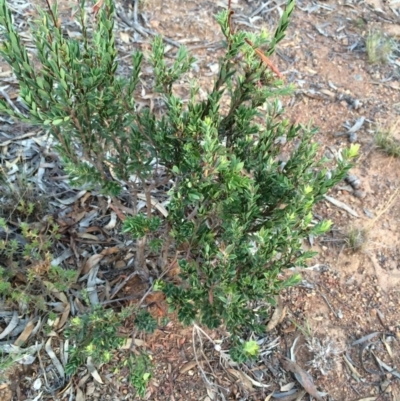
122 284
341 205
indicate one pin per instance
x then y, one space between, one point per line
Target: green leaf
57 121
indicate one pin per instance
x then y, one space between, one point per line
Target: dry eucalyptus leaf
243 379
288 386
302 377
57 293
23 337
187 366
136 341
26 359
64 317
11 326
93 371
79 394
91 262
73 199
366 338
54 358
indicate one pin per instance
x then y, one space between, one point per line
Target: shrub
240 180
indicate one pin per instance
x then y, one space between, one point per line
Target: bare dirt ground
346 295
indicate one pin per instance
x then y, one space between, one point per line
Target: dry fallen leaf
91 262
302 377
93 371
242 378
23 337
187 366
57 293
136 341
54 358
64 317
79 394
11 326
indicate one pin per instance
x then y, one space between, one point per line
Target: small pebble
359 194
353 180
368 213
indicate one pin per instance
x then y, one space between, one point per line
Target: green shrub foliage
242 179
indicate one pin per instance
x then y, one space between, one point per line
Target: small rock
353 180
214 67
368 213
357 104
37 384
359 194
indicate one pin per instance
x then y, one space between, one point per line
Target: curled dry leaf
358 124
187 366
92 262
113 221
302 377
366 338
156 204
11 326
243 379
73 199
54 358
